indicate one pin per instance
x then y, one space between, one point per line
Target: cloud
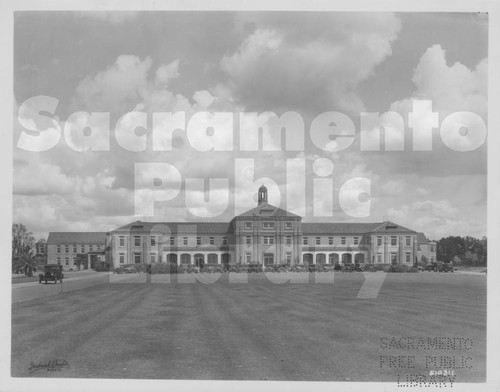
41 179
436 218
316 66
452 89
114 89
166 72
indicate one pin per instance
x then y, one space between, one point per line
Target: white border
6 90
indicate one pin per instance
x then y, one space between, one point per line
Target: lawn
253 331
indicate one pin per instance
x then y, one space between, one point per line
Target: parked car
432 267
51 272
445 267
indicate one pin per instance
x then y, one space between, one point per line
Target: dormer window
268 225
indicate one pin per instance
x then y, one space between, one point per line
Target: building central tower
262 195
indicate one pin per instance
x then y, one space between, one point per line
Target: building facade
426 251
76 250
264 235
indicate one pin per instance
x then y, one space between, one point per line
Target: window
66 260
58 249
288 240
408 240
184 240
379 257
224 240
379 240
248 257
288 257
268 225
408 257
288 225
342 240
153 241
268 240
248 240
122 258
66 248
59 260
75 249
432 248
137 240
330 240
212 258
153 258
137 258
121 241
82 249
394 258
304 241
212 240
198 241
418 247
248 225
172 240
268 259
318 240
92 247
394 240
356 240
74 259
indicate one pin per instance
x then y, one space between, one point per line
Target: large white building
263 235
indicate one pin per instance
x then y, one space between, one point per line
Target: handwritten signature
51 366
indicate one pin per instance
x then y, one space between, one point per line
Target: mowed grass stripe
60 339
278 331
258 330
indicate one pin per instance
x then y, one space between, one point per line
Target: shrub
402 268
376 267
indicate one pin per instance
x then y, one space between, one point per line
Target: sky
222 67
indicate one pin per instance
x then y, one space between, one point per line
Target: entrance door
199 260
268 259
226 259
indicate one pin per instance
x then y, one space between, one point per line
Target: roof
353 228
77 238
175 227
338 228
422 239
267 210
391 227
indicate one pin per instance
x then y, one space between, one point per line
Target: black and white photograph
234 196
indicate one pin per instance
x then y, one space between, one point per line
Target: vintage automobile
431 267
445 267
51 272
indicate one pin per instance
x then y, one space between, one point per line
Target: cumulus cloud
452 90
116 88
436 218
317 66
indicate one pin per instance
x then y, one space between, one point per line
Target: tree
467 249
26 263
23 244
41 250
449 247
